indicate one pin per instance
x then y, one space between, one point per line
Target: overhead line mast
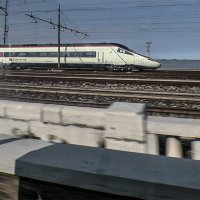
148 46
59 26
6 27
59 36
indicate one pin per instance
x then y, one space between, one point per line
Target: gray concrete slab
5 137
14 149
13 127
189 128
124 145
126 121
24 111
123 173
52 114
86 116
127 108
67 134
3 104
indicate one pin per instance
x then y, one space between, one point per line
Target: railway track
104 97
192 75
100 79
104 92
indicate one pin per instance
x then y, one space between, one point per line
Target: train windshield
120 50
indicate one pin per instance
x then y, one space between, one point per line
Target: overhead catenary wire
4 10
56 24
59 26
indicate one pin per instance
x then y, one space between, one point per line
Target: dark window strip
85 54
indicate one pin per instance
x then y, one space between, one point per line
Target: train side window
70 54
94 54
43 54
32 54
37 54
22 54
91 54
52 54
6 54
10 54
62 54
75 54
14 54
86 54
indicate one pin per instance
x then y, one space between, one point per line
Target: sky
173 26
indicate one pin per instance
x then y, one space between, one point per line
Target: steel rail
100 74
61 88
104 93
129 80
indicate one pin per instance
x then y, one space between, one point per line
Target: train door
100 57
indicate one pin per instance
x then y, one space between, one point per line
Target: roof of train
68 45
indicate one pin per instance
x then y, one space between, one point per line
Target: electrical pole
59 26
58 36
148 47
6 28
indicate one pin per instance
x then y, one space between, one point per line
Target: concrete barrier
125 127
66 134
122 126
126 145
126 121
3 108
12 148
52 114
181 127
13 127
89 117
103 170
24 111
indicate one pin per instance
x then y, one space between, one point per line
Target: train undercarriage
47 66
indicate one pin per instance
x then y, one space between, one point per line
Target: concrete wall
122 126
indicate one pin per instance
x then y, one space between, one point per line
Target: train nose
157 65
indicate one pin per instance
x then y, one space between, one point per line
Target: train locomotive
102 56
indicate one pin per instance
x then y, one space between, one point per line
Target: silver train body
110 56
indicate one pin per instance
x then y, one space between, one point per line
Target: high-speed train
110 56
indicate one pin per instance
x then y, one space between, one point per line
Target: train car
102 56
